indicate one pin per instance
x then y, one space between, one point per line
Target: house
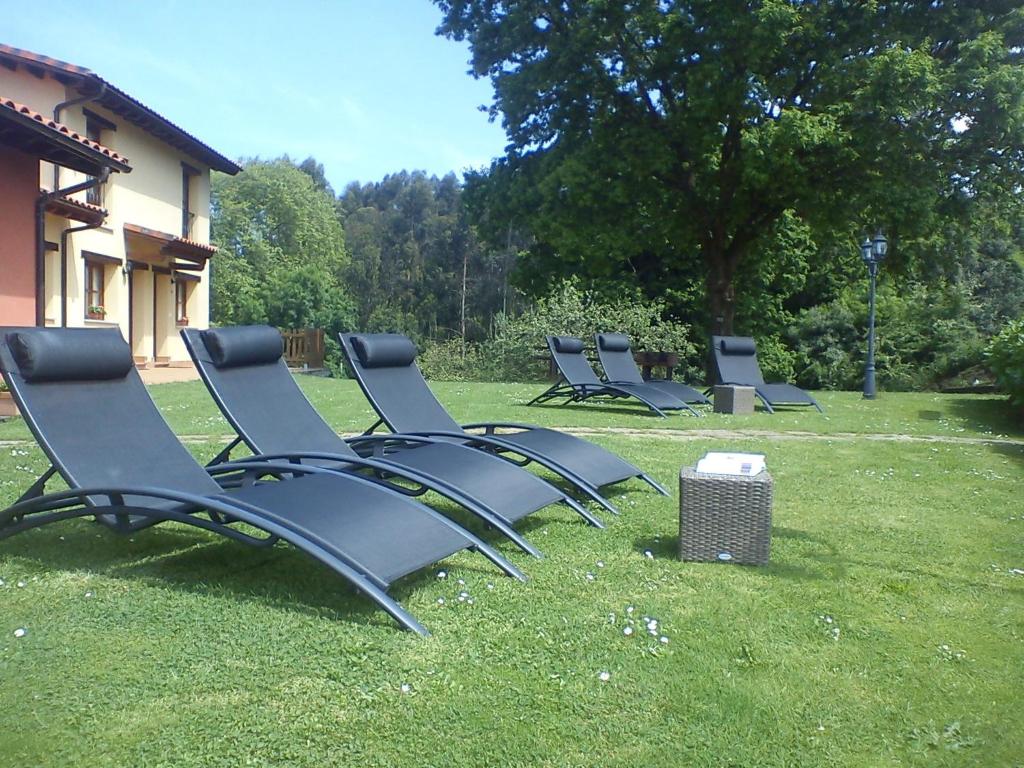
104 209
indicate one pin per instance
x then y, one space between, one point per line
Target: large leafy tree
283 253
667 139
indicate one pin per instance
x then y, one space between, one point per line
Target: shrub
514 353
1006 357
452 360
923 333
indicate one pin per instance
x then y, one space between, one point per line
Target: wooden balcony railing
304 348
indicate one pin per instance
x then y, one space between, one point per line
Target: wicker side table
725 517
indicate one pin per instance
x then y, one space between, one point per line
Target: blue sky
365 86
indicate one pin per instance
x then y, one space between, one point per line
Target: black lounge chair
578 382
84 402
616 358
736 362
385 367
246 374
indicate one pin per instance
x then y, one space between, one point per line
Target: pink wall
19 188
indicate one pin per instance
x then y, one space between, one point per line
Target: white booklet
731 463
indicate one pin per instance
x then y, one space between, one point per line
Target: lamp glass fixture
879 245
865 250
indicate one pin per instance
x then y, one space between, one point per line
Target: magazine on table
718 463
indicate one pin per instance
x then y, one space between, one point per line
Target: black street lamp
873 253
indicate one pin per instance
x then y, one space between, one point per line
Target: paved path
167 375
689 435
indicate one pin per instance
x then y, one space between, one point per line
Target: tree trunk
720 272
721 293
462 311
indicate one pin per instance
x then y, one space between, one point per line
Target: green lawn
888 629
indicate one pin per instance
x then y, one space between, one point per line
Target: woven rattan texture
725 517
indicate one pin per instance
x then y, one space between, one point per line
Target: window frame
188 216
181 297
94 132
95 268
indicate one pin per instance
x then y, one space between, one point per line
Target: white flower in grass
90 593
663 640
648 554
469 601
604 677
20 632
440 601
405 688
589 576
21 584
461 582
2 582
600 563
442 574
629 609
627 631
490 585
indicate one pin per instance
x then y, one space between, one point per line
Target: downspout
56 118
41 203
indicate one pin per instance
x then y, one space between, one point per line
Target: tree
662 139
282 253
417 263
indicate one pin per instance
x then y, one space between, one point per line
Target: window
188 173
94 280
94 131
181 301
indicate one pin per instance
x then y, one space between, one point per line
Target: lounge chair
736 361
88 409
244 370
578 382
616 358
385 367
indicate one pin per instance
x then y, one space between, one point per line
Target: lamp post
873 253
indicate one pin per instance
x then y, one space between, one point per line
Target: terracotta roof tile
127 106
62 129
75 209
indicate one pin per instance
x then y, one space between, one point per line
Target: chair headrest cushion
738 345
383 350
568 344
613 342
70 354
243 345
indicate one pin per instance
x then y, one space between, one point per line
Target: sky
364 86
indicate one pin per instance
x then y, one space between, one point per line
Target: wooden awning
75 210
195 255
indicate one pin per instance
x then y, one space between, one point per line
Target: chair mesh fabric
108 432
265 405
574 366
742 369
387 534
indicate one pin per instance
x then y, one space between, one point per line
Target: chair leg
582 512
654 484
